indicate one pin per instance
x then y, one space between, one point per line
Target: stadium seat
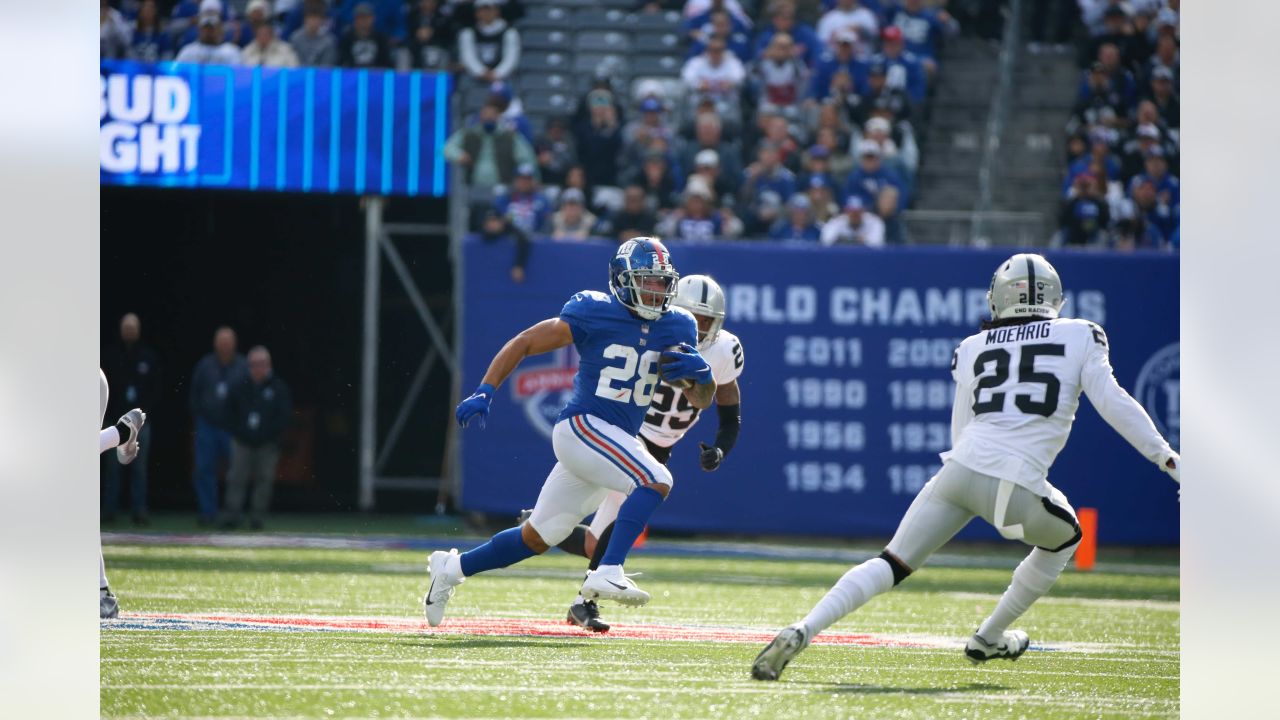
606 42
588 62
554 82
598 18
544 39
551 17
648 21
547 103
663 65
657 41
536 61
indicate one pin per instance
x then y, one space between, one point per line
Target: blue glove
688 364
476 406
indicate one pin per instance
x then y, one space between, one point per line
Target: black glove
710 457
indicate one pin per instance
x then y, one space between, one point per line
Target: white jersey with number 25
670 414
1017 389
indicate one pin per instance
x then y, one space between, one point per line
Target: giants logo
545 390
1158 391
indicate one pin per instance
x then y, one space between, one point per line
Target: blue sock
632 517
505 548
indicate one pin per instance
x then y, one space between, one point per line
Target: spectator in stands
633 218
431 35
209 48
1099 153
822 201
775 129
817 164
314 42
572 221
1097 103
1164 96
603 82
268 50
261 409
600 142
923 29
702 25
706 165
490 153
715 74
764 186
1157 173
1117 31
855 226
889 210
113 32
797 224
903 69
779 78
709 135
256 12
556 151
1166 56
892 103
577 178
805 44
850 15
149 43
1160 219
388 16
497 227
654 175
720 25
362 45
871 177
135 378
1143 42
212 381
490 51
839 161
697 219
839 73
512 115
651 125
524 205
696 11
900 160
1132 230
1085 216
1145 136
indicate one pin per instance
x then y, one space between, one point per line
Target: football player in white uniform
1018 383
670 416
123 436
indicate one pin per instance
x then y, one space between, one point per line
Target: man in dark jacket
133 369
211 383
260 409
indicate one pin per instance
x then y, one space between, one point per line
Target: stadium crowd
1121 189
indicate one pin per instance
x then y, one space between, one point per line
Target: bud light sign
300 130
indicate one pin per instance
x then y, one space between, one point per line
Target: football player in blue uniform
620 337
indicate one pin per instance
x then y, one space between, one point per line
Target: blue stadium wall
846 388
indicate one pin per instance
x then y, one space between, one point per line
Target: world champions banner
846 391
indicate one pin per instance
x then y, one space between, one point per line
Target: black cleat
587 615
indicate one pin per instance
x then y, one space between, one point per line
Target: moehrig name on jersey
1018 333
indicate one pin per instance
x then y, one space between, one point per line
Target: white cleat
135 419
610 584
1010 647
108 606
442 585
775 656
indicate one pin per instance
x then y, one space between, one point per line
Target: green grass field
1112 639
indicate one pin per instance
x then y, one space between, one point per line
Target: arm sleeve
1118 407
510 54
730 424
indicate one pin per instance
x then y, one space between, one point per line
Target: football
663 361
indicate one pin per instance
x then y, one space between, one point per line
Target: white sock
849 593
102 570
579 599
609 569
107 439
453 566
1031 580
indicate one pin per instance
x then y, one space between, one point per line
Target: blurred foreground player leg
619 337
123 436
1018 383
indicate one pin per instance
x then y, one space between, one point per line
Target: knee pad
900 570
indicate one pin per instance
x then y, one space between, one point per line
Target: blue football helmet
640 259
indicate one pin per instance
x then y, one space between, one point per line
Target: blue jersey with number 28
618 356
